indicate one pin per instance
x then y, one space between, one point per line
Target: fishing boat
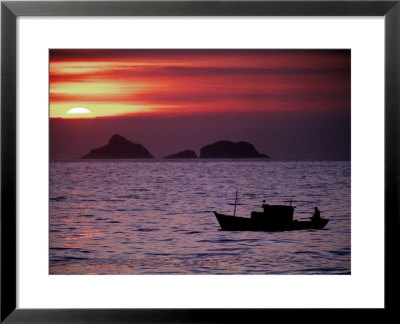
272 218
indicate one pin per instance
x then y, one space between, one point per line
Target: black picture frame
10 10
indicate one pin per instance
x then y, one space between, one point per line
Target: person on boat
317 214
264 206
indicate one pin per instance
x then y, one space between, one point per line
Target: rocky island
187 154
119 147
228 149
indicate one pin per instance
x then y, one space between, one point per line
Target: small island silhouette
187 154
228 149
119 147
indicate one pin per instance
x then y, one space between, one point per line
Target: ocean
145 217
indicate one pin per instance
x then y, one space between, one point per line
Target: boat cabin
274 214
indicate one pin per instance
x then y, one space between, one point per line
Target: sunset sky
288 103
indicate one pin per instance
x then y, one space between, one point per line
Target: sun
79 110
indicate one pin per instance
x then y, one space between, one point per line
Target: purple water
156 217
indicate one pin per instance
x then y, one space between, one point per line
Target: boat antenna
234 211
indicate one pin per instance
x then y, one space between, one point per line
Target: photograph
200 161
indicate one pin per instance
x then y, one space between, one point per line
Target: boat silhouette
272 218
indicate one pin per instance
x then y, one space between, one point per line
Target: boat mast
234 211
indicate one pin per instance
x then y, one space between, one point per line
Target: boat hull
234 223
